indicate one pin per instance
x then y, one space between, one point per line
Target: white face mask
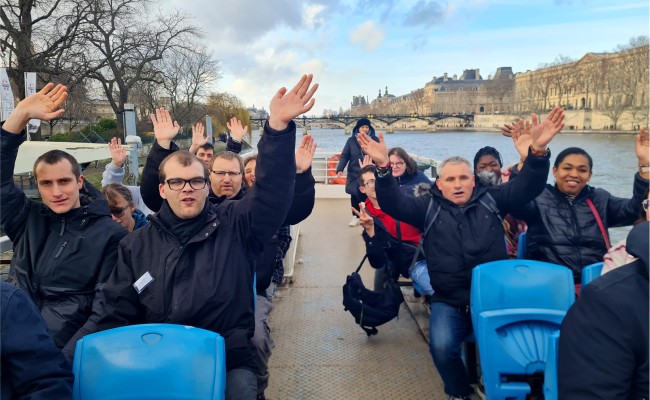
488 178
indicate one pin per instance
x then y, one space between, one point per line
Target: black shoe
261 397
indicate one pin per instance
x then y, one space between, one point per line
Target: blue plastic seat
151 361
521 246
591 272
550 374
516 305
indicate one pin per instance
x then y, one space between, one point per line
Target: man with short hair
65 246
194 263
467 231
201 146
227 175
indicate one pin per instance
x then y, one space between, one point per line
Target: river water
614 157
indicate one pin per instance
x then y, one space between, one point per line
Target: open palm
305 153
542 133
378 151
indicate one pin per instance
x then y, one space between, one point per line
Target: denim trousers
448 328
419 274
241 384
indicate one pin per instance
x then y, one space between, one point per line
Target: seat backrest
521 245
591 272
151 361
550 373
507 284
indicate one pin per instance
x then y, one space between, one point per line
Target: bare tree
189 74
223 106
417 101
635 73
128 44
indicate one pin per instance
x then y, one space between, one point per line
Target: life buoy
332 163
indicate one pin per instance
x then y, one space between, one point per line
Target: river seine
614 158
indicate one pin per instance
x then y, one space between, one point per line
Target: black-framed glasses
369 182
398 164
222 174
118 212
645 203
179 183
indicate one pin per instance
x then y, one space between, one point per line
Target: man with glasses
65 246
384 243
194 263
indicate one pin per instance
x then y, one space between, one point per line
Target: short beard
488 178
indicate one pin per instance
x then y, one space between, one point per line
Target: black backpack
371 308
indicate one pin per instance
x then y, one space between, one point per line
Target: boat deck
320 353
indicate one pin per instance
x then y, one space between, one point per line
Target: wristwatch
383 172
644 169
538 153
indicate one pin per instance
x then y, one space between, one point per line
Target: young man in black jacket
194 263
467 232
66 246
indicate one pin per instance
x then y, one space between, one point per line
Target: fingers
280 93
311 92
354 210
46 88
308 106
300 85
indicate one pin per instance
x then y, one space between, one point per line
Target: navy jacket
32 366
59 259
208 282
350 156
604 339
462 238
567 234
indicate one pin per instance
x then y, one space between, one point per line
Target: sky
357 47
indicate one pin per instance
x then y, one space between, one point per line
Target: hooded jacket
567 233
59 259
461 237
208 281
604 338
351 155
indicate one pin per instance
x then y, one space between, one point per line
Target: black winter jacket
207 283
462 238
567 234
59 259
32 366
604 338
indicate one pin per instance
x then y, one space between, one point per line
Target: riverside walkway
320 353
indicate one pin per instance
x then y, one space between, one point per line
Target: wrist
538 151
16 122
383 171
644 168
165 144
277 124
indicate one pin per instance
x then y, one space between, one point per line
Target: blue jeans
241 384
419 274
448 328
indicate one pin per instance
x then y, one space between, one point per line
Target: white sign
30 89
6 96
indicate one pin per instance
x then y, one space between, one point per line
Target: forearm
11 197
112 174
150 181
304 196
233 145
529 184
393 202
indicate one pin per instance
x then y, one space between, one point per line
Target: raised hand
198 139
520 135
642 147
377 151
305 154
543 133
287 105
237 131
365 220
163 128
367 160
118 153
506 130
44 105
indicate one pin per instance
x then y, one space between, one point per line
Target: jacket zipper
58 253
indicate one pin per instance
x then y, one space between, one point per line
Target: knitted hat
361 122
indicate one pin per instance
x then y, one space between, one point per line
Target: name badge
143 282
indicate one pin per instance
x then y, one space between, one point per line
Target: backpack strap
491 205
361 263
428 223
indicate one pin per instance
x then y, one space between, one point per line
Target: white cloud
313 15
368 35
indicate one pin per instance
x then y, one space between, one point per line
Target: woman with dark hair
405 170
352 156
122 208
489 171
568 222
